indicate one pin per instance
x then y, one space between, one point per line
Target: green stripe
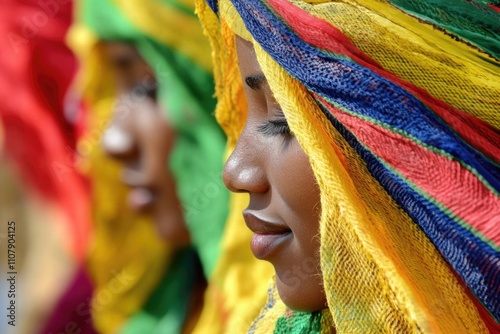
470 20
179 6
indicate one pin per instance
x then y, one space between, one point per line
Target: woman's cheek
294 178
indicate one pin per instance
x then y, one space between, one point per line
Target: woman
140 137
373 176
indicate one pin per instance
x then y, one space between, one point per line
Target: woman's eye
275 127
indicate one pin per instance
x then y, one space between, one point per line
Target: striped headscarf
396 104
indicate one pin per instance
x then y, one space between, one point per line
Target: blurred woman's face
269 165
140 137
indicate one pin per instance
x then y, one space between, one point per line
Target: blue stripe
214 4
358 89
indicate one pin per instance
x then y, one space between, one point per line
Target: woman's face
284 209
140 137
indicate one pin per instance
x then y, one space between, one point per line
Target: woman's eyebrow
255 81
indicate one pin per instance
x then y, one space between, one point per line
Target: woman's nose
118 143
244 171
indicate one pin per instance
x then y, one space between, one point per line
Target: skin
141 138
269 165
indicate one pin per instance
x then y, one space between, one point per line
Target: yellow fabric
228 85
363 231
162 21
127 258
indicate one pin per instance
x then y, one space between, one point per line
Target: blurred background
42 190
110 167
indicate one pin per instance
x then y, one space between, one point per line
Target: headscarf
153 284
396 105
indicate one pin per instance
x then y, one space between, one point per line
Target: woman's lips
268 235
263 245
141 198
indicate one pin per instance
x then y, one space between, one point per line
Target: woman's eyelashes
275 127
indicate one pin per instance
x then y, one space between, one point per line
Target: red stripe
496 9
323 35
443 179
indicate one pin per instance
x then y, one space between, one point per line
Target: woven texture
399 117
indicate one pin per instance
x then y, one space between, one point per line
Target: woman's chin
172 229
301 294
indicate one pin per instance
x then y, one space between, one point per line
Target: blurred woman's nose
118 143
244 171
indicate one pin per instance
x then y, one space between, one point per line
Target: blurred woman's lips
268 235
141 198
143 192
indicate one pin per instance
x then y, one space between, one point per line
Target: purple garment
72 313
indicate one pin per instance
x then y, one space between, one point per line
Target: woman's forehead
247 60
